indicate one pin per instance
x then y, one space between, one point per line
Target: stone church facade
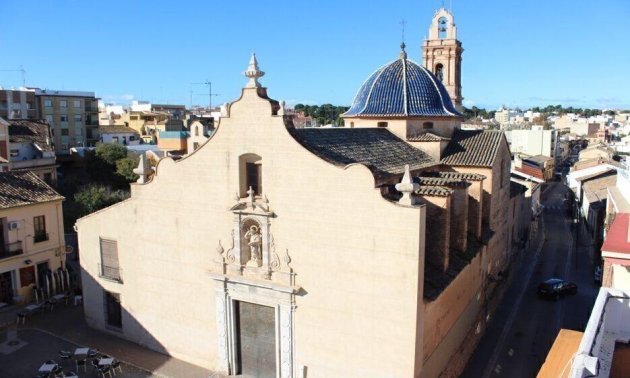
372 250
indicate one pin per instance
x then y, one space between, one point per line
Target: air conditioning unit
14 225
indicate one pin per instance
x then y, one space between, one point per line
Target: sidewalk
67 322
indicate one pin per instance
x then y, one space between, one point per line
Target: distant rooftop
53 92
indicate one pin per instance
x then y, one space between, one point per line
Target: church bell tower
442 54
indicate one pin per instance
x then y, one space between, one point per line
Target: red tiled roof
617 237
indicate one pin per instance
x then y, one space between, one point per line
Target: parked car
556 287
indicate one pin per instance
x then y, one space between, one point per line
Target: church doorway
256 340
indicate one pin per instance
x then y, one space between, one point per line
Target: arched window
196 130
381 124
427 125
442 28
439 71
250 174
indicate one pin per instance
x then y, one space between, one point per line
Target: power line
22 71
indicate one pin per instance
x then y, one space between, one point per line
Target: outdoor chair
82 363
64 355
70 374
92 353
116 365
57 372
42 375
52 362
21 317
105 370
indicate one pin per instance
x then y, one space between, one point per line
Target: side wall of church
350 250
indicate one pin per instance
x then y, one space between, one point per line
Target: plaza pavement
66 327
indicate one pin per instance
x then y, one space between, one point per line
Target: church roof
378 149
427 137
473 148
402 88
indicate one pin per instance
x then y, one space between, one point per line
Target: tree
125 167
96 197
110 153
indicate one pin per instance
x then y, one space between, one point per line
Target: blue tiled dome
402 88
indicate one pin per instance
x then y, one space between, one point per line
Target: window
113 313
64 131
250 166
15 153
63 103
115 139
78 130
133 118
63 118
48 103
78 118
48 178
195 145
76 103
196 130
381 124
351 124
109 267
49 119
427 125
39 229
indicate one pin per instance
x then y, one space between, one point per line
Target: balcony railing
110 273
38 238
11 249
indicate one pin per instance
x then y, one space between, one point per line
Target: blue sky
525 53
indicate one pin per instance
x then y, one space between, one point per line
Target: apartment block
72 115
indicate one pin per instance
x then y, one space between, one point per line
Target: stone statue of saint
254 241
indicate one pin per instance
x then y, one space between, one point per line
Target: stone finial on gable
253 73
406 187
281 110
225 111
143 170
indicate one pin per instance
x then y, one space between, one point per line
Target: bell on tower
442 54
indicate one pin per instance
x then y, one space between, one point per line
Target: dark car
555 288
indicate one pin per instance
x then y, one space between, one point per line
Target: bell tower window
381 124
427 125
250 174
442 28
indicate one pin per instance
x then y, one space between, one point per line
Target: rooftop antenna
22 71
210 94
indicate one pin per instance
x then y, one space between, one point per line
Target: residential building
4 145
173 138
32 246
603 350
72 116
199 131
18 104
539 166
31 149
119 135
535 141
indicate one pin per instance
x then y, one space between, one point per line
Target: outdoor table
32 307
47 368
105 361
81 351
59 296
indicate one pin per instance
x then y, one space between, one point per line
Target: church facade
373 250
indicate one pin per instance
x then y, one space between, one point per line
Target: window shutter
109 253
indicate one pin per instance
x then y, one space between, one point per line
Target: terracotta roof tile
434 190
442 181
20 188
378 149
26 131
473 148
427 137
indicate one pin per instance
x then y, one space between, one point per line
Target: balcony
33 163
40 237
11 249
110 273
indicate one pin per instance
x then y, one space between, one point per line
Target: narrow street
525 326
